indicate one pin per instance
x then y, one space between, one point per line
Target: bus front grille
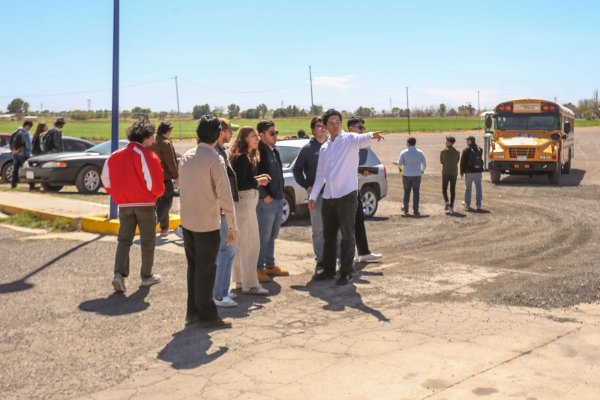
528 152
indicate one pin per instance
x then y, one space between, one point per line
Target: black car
81 169
71 145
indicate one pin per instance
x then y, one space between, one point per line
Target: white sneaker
178 232
450 211
371 257
232 295
258 290
225 302
151 280
118 283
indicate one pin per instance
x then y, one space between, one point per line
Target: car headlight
26 164
55 164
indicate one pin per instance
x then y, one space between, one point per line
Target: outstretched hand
378 135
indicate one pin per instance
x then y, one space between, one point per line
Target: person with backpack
471 169
52 140
134 178
20 147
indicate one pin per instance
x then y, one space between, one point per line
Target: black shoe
192 319
416 213
343 279
215 324
323 276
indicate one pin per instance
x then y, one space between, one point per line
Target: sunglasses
274 133
361 127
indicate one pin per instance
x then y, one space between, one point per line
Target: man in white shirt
412 160
336 170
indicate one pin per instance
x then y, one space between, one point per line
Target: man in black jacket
471 169
305 170
269 209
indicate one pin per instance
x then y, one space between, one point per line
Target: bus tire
495 175
566 169
555 176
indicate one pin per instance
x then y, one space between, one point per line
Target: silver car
373 187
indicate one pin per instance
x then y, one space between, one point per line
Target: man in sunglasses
336 170
357 125
269 209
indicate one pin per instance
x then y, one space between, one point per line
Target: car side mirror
555 136
567 127
488 123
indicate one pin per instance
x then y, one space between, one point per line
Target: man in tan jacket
205 192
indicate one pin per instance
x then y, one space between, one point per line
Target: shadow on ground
22 284
118 304
340 297
190 348
574 178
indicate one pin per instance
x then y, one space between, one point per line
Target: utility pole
89 103
390 105
408 110
178 111
478 112
312 102
114 144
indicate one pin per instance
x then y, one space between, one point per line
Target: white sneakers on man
371 257
225 302
151 280
118 283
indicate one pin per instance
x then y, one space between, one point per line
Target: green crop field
100 129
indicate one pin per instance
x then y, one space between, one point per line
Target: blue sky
59 53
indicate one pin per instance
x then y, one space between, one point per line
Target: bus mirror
567 127
555 136
488 122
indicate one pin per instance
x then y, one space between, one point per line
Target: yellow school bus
530 137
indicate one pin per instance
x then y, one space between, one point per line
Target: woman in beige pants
244 160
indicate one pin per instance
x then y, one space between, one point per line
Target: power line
237 91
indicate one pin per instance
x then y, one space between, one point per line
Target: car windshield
288 154
535 122
103 148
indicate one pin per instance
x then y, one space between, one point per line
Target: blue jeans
471 177
269 222
225 259
18 161
316 222
411 183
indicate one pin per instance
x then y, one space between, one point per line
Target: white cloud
340 82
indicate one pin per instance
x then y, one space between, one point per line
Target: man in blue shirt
21 151
305 171
412 160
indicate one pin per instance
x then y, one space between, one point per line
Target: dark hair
140 131
264 126
329 113
301 133
240 147
451 139
411 141
40 129
209 129
313 122
355 121
60 122
164 127
27 123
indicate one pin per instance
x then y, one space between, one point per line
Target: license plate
29 174
522 158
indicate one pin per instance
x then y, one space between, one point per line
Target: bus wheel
495 175
555 176
566 169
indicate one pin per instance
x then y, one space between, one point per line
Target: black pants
360 231
452 180
163 205
339 215
201 249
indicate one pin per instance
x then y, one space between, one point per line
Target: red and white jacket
133 176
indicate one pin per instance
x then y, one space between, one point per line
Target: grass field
100 129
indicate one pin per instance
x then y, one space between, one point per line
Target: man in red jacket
134 178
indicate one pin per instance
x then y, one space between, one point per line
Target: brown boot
277 271
263 277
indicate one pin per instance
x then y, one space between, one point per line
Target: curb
89 224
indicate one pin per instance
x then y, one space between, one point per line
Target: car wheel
88 180
7 171
51 188
368 196
287 210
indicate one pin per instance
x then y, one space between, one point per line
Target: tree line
585 109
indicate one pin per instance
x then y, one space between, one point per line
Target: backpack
36 145
47 141
475 161
16 140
